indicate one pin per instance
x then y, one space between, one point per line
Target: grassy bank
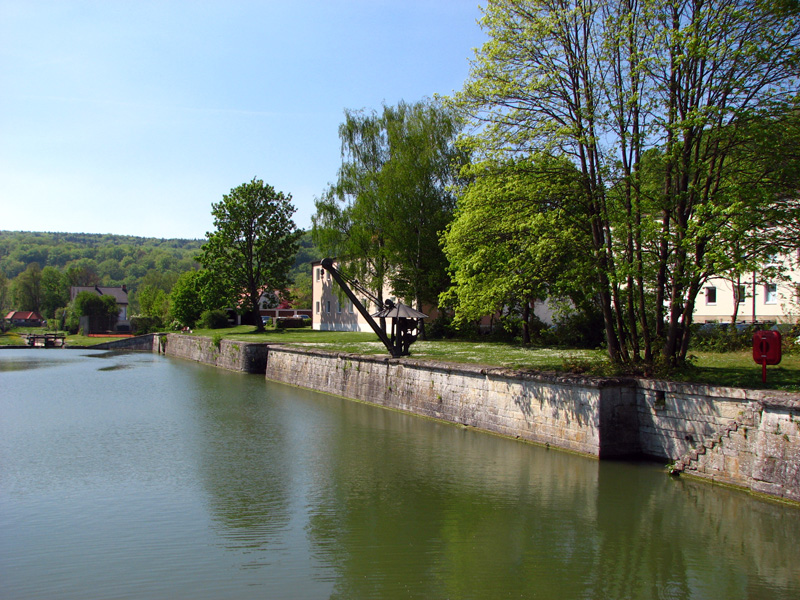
734 369
15 337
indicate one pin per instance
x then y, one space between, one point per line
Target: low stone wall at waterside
587 415
746 438
148 342
248 357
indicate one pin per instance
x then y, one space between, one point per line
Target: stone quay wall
248 357
587 415
746 438
148 342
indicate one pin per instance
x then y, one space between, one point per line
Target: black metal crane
405 320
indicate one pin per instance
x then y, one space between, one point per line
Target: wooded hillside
115 260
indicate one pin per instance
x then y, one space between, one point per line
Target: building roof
24 315
120 294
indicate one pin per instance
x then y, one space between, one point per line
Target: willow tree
392 198
349 221
606 83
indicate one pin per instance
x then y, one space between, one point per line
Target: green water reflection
237 488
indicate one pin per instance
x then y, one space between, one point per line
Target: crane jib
405 320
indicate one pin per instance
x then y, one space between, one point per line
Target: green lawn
14 337
735 369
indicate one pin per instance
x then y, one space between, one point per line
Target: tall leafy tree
27 289
350 220
55 291
185 300
393 197
5 295
102 311
153 302
605 83
416 184
254 243
513 240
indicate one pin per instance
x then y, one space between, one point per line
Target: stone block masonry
148 342
582 414
745 438
232 355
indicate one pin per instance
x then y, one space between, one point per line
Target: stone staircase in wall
748 418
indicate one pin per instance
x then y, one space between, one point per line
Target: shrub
441 327
143 324
216 339
724 337
508 329
790 338
578 329
467 329
213 319
289 323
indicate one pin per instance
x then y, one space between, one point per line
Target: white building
759 297
331 309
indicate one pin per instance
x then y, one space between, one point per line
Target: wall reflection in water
393 505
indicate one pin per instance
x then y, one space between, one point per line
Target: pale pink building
760 297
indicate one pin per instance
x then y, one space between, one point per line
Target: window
771 293
328 307
338 307
711 295
350 307
317 306
739 294
319 274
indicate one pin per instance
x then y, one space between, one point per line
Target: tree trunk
526 324
736 284
256 313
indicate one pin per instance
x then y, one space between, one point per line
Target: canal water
137 476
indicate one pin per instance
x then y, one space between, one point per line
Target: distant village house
271 306
120 295
20 318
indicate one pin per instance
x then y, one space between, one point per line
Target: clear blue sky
133 116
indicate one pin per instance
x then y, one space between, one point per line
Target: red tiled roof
23 315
